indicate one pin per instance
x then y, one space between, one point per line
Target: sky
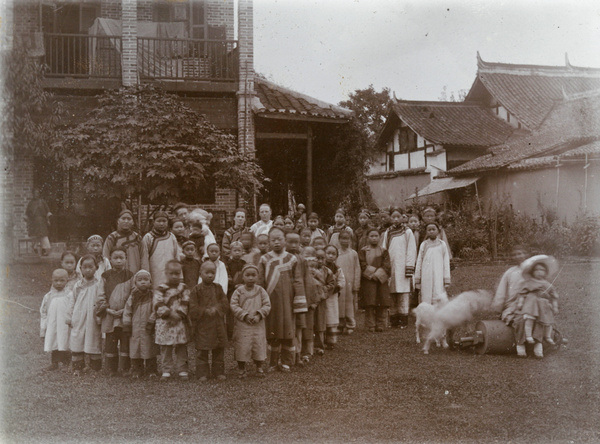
329 48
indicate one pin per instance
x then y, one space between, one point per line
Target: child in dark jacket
117 284
208 308
190 265
234 265
374 294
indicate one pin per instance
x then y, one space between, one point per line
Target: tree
29 112
144 141
342 169
370 108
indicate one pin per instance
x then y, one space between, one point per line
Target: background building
193 48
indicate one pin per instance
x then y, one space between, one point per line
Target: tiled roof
529 91
570 124
453 123
591 149
274 99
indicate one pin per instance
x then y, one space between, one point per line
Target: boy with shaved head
53 327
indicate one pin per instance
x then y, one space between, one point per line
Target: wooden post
309 169
478 201
585 185
493 231
557 182
139 211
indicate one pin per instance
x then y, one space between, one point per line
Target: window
198 20
408 140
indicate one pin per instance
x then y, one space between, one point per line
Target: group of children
280 290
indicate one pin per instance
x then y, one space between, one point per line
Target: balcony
188 64
81 61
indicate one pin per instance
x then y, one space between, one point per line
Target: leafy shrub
585 235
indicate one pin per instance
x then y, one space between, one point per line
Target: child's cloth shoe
165 376
319 352
242 374
51 367
538 350
521 351
184 376
202 379
285 368
221 378
260 372
76 372
272 369
379 329
530 340
550 341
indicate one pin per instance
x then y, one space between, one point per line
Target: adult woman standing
234 233
37 216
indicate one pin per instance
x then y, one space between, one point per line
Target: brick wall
246 89
246 92
111 9
220 13
129 39
6 207
22 191
145 10
26 17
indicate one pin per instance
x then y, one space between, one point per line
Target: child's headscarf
95 237
141 273
236 244
188 242
248 266
137 295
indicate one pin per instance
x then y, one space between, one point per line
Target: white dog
443 316
425 313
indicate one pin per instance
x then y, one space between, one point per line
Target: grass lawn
374 387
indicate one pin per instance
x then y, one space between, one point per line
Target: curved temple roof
530 91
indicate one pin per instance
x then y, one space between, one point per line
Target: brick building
194 48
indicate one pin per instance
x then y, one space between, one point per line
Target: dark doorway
284 164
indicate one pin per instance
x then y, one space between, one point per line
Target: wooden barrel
496 337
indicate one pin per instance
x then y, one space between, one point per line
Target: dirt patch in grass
374 387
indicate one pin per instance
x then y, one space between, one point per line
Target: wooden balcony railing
187 59
82 56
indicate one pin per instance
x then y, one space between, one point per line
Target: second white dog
448 315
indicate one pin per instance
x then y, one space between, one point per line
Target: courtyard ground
374 387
